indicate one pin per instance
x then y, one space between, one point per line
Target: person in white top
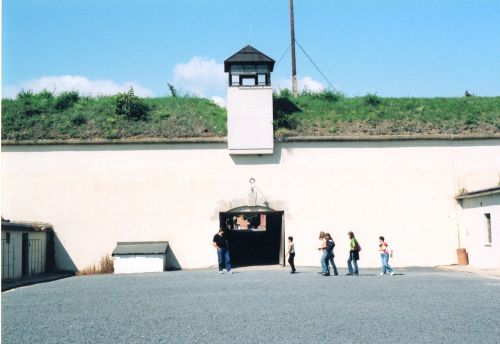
290 252
324 254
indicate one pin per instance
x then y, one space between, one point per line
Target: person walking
383 247
220 243
290 252
324 254
330 244
352 262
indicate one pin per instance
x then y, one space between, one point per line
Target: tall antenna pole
294 67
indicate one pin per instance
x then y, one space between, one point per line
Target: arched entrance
255 235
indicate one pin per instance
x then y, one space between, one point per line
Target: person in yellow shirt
352 262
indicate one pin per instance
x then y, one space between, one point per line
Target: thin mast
294 67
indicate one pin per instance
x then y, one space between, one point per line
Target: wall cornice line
198 140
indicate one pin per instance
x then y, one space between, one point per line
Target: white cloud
305 83
201 76
83 85
308 83
219 101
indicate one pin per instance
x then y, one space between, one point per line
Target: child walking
384 256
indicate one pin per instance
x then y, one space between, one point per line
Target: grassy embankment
332 114
70 116
46 116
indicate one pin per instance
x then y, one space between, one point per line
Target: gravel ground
257 306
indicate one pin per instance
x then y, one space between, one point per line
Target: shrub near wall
130 106
105 266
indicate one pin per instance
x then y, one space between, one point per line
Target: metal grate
36 259
8 254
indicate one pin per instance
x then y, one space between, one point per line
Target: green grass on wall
68 115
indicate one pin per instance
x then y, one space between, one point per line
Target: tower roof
248 55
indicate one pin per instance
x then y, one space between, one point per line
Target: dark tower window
249 67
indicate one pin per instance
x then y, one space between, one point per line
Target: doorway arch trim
252 209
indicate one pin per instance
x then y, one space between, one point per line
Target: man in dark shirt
220 243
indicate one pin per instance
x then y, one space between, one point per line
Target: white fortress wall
96 195
481 252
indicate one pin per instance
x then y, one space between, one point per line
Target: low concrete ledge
437 137
114 141
35 279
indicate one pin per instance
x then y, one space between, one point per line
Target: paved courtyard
265 305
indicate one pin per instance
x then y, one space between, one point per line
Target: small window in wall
248 81
488 228
261 79
235 80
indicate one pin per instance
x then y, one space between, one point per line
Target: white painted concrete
250 120
95 196
482 254
137 264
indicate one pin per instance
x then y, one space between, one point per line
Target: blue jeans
334 267
324 262
352 264
223 255
384 257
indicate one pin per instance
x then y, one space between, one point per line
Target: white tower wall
250 120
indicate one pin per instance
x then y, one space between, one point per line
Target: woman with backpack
330 244
352 262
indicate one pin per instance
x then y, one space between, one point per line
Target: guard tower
249 102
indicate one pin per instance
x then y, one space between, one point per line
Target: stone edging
439 137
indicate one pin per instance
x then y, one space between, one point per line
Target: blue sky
394 48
